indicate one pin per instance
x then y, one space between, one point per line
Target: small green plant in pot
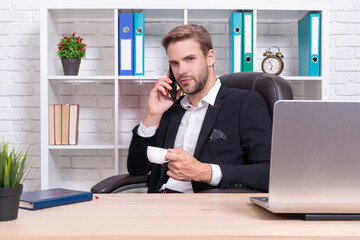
14 164
71 49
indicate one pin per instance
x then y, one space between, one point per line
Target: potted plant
71 49
13 166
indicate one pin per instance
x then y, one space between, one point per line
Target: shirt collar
208 99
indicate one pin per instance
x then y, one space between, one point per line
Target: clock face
272 64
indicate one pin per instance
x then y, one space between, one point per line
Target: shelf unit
104 129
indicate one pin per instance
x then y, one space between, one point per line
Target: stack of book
63 124
131 44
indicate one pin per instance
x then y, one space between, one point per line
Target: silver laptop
315 158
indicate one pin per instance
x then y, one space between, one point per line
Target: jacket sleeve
137 162
255 139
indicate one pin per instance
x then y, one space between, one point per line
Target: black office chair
271 87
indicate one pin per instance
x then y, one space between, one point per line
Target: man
215 136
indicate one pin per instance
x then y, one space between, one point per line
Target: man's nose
182 69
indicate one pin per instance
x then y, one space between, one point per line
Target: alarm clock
272 62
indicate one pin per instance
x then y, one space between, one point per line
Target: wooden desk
170 216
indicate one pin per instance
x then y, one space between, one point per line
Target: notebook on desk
52 197
315 159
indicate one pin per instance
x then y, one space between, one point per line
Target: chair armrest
230 190
120 183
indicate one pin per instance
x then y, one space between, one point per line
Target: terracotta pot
9 202
71 66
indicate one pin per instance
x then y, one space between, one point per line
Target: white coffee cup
156 154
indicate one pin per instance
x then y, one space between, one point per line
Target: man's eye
190 59
173 64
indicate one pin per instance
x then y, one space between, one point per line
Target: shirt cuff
216 175
146 132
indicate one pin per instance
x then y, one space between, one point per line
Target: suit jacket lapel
210 118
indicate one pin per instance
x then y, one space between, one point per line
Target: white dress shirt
188 134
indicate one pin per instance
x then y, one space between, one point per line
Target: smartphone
173 85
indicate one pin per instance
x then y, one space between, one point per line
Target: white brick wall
344 49
83 168
20 78
281 34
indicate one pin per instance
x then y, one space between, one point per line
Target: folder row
131 44
241 42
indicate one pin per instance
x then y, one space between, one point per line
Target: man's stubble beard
200 81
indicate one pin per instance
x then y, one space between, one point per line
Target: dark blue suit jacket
236 135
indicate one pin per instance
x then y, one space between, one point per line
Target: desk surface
170 216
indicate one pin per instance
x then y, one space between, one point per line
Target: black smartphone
173 85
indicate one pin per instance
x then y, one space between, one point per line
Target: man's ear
211 57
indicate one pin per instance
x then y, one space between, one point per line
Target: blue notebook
52 198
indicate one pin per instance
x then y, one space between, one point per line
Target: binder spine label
139 55
248 34
315 36
126 48
237 53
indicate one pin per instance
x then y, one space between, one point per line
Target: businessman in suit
217 137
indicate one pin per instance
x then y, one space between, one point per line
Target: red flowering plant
71 47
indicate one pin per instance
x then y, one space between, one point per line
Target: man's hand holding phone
159 101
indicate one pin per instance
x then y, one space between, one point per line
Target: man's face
189 65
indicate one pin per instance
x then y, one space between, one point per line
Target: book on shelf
73 124
63 124
131 29
247 50
126 44
51 125
52 198
309 28
235 46
57 124
139 44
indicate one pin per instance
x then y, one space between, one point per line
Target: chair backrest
271 87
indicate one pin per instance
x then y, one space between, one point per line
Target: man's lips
184 81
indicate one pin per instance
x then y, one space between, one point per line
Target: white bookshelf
100 91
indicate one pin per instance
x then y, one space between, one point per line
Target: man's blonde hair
189 31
